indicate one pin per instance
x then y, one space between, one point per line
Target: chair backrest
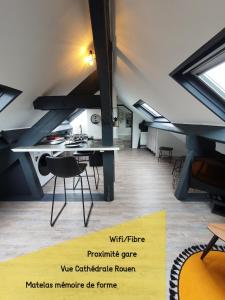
64 167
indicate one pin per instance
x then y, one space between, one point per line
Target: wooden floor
142 186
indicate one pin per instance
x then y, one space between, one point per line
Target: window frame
8 90
185 74
150 113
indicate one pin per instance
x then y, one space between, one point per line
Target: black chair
88 156
178 163
68 167
165 152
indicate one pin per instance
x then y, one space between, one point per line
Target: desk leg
108 174
209 246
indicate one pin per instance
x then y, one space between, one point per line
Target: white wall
153 37
136 131
174 140
220 148
94 130
158 138
43 45
152 139
84 119
80 120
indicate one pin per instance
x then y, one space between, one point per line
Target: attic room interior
111 110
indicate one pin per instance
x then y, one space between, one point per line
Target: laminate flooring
142 186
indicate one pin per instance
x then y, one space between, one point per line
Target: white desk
90 146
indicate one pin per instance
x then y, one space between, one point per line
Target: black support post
99 12
196 147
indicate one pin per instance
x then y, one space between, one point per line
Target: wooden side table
219 233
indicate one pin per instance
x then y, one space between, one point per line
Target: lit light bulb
90 58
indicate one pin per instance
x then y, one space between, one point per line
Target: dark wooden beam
20 163
43 127
100 21
99 12
53 118
215 133
196 147
67 102
89 86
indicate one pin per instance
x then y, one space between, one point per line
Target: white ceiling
153 37
42 45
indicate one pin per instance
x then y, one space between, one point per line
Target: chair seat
166 148
83 153
65 167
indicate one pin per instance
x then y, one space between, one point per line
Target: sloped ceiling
42 49
152 38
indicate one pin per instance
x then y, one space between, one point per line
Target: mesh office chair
68 167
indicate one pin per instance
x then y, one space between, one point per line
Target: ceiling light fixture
90 58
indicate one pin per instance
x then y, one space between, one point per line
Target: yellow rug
69 270
196 279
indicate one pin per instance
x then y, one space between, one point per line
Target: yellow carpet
39 275
203 280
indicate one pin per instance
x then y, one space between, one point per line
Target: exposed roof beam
215 133
42 128
53 118
67 102
99 12
88 86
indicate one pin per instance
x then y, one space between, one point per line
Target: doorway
125 126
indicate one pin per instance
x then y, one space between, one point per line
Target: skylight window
215 79
151 110
7 95
151 114
203 74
